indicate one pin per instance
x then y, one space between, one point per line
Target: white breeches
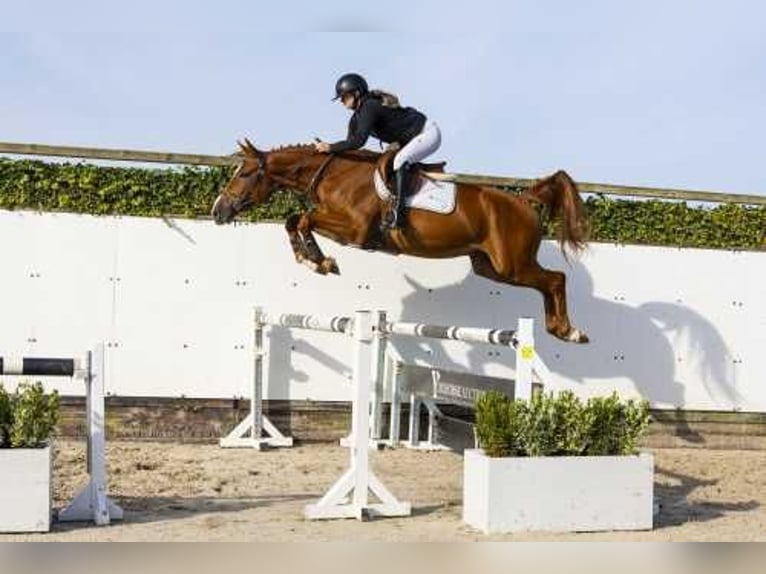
421 146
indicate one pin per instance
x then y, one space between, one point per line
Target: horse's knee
305 223
291 223
558 281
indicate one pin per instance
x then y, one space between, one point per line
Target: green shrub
614 427
6 418
501 426
559 425
28 416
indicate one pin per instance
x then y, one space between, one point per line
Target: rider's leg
401 184
420 147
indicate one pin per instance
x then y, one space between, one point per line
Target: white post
358 479
414 429
92 503
525 355
431 422
256 397
396 401
360 413
96 431
378 377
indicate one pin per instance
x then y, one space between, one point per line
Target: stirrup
390 219
394 217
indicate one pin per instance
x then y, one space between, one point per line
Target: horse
500 232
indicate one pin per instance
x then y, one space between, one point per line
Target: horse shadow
663 351
150 509
288 372
639 348
675 508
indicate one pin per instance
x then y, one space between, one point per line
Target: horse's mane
356 154
364 155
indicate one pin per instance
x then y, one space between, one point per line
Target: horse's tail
560 195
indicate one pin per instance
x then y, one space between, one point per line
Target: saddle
385 166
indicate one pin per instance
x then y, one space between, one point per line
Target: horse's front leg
335 225
315 259
296 242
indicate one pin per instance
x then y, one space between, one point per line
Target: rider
379 114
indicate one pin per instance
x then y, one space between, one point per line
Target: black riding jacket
388 124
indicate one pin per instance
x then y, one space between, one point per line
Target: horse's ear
253 150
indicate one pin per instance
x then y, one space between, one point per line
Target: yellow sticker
527 352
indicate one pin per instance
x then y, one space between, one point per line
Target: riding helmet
350 83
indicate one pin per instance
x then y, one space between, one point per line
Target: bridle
260 171
246 199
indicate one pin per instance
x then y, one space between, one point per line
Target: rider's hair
388 99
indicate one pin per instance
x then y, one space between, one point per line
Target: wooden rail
115 154
494 181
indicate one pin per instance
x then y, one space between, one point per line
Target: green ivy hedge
189 192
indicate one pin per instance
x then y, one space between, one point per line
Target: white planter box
558 494
25 489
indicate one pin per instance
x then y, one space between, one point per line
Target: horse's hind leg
551 284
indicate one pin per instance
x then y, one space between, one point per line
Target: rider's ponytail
388 99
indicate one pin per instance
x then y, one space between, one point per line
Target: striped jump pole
92 502
504 337
311 322
257 431
522 339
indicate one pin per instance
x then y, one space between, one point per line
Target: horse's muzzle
223 211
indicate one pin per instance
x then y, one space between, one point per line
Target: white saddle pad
436 196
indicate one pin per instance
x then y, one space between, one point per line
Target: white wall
174 300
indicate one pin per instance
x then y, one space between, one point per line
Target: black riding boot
395 218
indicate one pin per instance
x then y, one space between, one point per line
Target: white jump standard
92 503
349 497
256 430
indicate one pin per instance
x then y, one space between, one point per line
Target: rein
311 189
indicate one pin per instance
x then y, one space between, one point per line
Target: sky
659 93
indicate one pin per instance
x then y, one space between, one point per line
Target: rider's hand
322 147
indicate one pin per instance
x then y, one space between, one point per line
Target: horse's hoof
329 265
311 265
577 336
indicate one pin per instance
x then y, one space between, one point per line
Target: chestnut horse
499 231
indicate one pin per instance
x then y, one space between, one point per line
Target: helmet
350 83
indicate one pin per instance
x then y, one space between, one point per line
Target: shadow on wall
657 348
